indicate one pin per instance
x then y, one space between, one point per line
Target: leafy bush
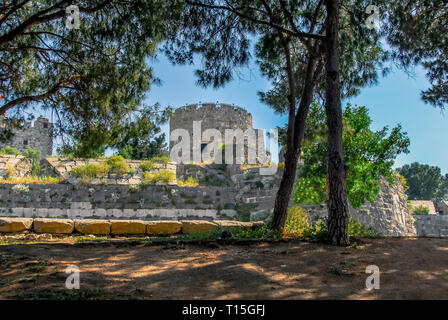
356 229
297 226
148 165
421 210
317 232
165 176
118 165
189 182
262 232
11 151
296 223
90 171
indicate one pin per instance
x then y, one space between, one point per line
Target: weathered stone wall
441 207
432 225
19 165
61 167
243 195
116 201
389 214
38 136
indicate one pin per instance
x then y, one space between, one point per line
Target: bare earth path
410 269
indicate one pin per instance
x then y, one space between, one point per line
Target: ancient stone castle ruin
204 123
224 192
37 135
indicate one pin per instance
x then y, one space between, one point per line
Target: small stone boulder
197 226
163 228
128 227
54 226
15 224
92 226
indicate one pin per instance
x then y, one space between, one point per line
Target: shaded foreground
410 268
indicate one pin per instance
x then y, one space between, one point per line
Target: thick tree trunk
338 213
296 131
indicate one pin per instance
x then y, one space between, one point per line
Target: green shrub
317 232
297 226
189 182
148 165
297 222
10 172
90 171
420 210
118 165
356 229
11 151
262 232
165 176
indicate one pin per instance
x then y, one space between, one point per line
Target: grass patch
32 180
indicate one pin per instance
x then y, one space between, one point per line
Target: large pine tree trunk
338 212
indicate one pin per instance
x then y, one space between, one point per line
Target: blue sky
396 99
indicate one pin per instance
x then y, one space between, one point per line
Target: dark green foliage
369 154
416 31
262 232
91 79
425 182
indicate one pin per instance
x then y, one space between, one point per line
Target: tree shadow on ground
409 269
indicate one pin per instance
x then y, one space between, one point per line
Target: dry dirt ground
410 268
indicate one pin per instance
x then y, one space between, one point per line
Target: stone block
163 228
128 227
46 225
15 224
93 226
197 226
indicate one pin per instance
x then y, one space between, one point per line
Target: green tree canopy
137 136
369 154
417 33
91 78
425 182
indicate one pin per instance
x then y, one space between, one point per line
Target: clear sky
396 99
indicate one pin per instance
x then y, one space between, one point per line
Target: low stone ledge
128 227
197 226
229 225
55 226
92 226
163 228
10 225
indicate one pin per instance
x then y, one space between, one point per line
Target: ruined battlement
213 116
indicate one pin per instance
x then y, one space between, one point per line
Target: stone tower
38 136
212 116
